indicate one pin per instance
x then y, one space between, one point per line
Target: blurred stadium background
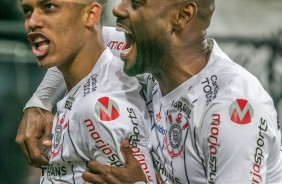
250 31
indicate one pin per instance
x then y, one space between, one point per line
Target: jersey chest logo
106 109
174 139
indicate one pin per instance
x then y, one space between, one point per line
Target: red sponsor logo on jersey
117 45
213 147
107 109
259 156
241 112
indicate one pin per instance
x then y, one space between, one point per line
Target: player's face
53 28
147 26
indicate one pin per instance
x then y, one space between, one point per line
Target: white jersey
114 39
103 108
46 98
220 126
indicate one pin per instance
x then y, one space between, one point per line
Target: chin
44 64
134 68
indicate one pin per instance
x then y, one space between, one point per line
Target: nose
35 21
120 10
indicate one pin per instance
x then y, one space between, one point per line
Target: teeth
39 39
42 47
122 29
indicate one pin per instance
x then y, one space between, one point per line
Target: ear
93 14
186 14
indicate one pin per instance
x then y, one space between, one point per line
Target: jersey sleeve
241 140
50 90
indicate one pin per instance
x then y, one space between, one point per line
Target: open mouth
40 44
130 49
129 42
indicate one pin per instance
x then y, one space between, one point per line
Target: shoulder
228 89
230 78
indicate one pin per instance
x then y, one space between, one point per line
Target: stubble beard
148 59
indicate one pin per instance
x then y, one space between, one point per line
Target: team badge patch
106 109
175 135
241 112
174 139
60 129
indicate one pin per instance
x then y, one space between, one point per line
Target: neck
184 63
82 64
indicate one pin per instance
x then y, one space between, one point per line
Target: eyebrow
43 1
39 1
24 6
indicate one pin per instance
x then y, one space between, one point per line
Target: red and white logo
106 109
241 112
174 139
58 134
158 117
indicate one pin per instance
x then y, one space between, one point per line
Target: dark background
19 76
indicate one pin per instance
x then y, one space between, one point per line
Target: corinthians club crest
61 125
174 139
175 135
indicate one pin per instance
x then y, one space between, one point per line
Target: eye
27 11
136 3
49 7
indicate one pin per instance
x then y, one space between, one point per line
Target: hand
35 129
130 173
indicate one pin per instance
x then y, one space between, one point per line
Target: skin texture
52 20
74 56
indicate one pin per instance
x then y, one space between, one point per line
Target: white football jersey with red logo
220 126
91 120
53 86
114 39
